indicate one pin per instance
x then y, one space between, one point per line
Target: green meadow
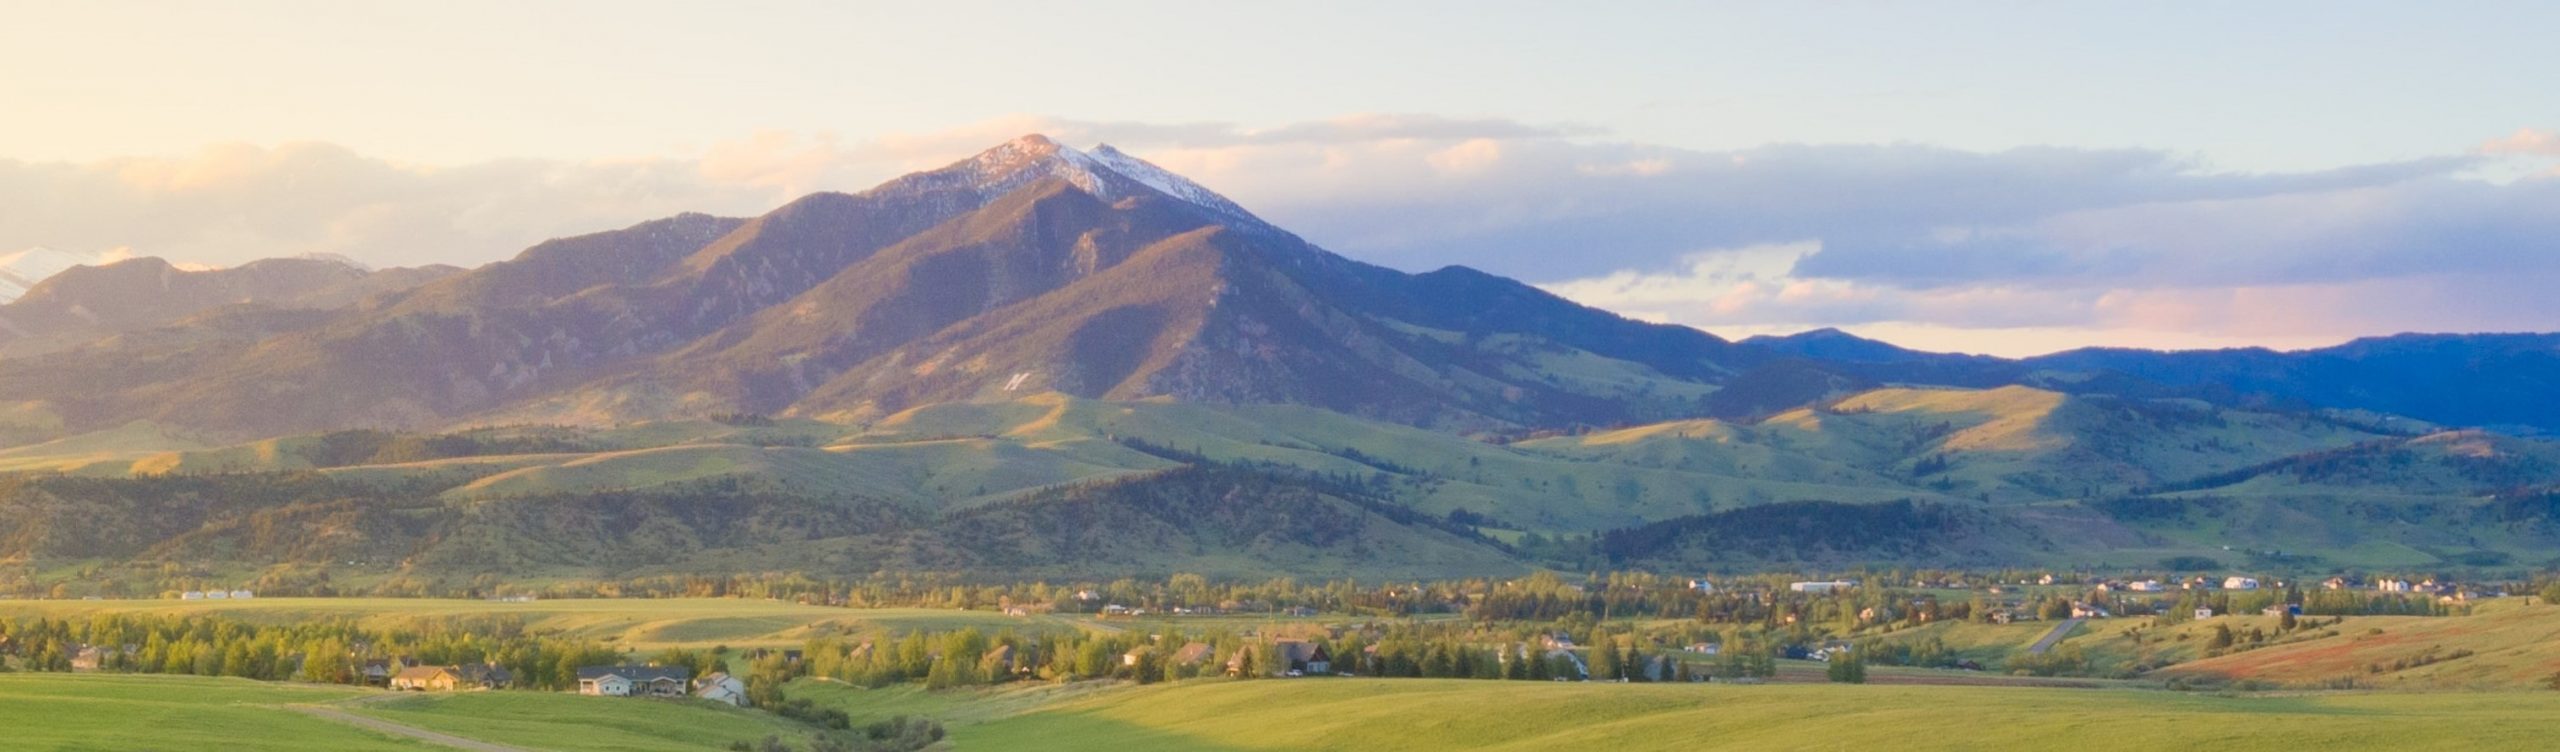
1421 714
127 712
561 721
103 712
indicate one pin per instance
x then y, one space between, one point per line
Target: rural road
396 729
2059 631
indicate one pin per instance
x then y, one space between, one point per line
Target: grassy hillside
58 711
2065 480
1432 714
2005 444
568 722
2507 643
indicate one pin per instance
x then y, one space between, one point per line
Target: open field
1416 714
95 712
2506 643
634 623
59 711
560 721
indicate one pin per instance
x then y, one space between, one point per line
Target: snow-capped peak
22 270
1106 172
1168 183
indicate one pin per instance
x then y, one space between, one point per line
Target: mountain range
973 345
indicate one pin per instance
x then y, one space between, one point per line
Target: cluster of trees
316 651
1790 531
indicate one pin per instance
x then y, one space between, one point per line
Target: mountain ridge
857 305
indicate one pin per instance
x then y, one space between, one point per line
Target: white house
722 687
633 681
2236 582
2204 613
609 685
1702 586
1821 587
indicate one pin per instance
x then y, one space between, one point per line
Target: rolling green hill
2008 476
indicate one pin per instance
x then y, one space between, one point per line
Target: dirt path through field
2060 631
399 729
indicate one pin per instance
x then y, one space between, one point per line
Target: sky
2010 178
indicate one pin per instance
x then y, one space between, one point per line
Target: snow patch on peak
334 258
1107 173
1166 182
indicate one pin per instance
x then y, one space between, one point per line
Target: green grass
103 712
1447 714
560 721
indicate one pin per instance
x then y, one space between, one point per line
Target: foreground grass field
101 712
559 721
1436 714
88 712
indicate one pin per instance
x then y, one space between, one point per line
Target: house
2236 582
377 672
1303 656
215 595
2088 611
2144 586
1192 654
191 595
1821 587
1702 586
242 595
1706 648
633 681
719 686
487 676
448 678
427 679
91 658
1136 654
1293 658
2337 583
2392 586
2204 612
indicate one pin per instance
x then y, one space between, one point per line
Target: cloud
2023 247
2525 141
